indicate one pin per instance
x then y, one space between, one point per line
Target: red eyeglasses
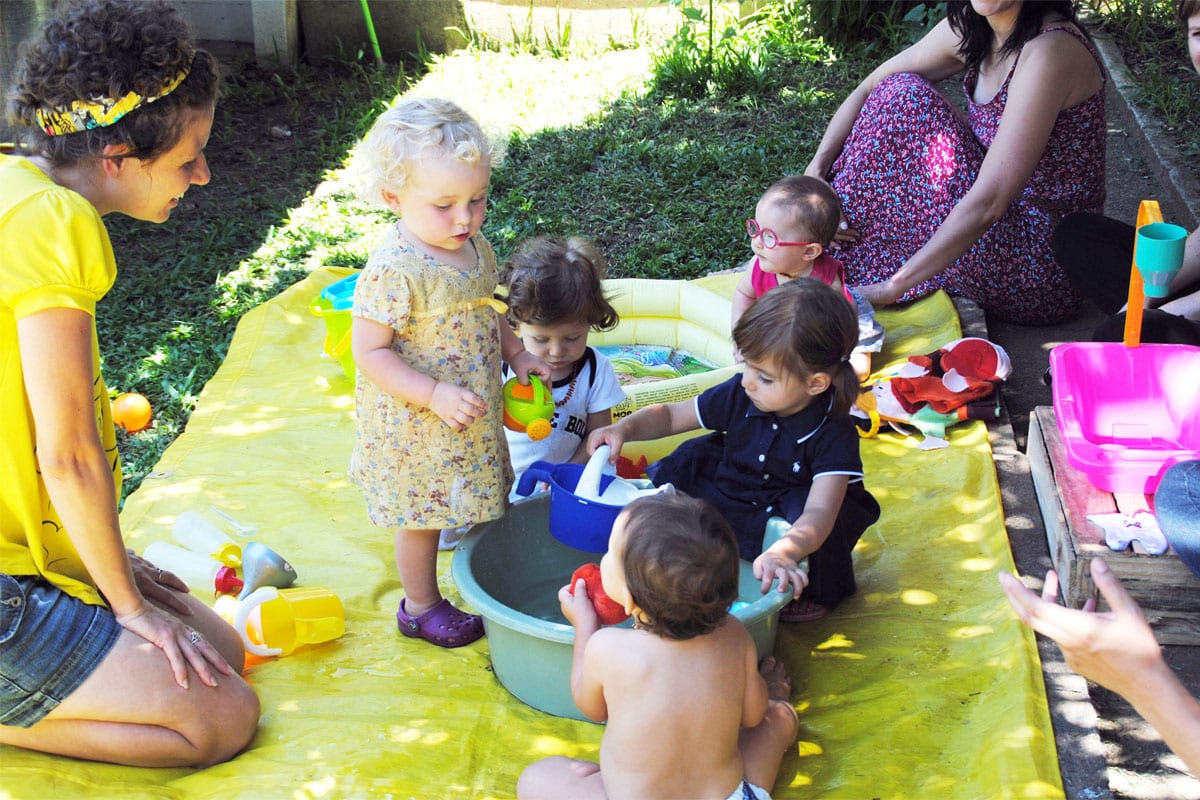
769 239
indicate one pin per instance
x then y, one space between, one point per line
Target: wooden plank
1063 552
1164 587
1079 497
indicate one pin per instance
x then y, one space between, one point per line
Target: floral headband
99 112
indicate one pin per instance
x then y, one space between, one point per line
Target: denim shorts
50 643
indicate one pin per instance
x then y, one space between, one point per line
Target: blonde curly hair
412 129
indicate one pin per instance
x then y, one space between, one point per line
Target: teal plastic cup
1159 255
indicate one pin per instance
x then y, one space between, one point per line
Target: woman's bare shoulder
1060 44
1059 57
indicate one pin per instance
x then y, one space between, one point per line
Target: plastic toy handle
539 391
245 607
1148 211
531 477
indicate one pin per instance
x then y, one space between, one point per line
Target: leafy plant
844 22
698 61
1154 47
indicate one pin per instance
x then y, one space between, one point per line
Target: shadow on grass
166 324
663 186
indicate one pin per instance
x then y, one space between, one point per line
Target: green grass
662 183
1155 50
658 159
255 229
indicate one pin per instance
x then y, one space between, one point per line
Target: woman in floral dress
937 199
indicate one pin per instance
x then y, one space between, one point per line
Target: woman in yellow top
102 656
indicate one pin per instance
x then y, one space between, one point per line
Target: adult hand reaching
1113 648
1116 649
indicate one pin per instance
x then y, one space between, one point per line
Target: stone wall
338 28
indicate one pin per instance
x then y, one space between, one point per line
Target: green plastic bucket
333 304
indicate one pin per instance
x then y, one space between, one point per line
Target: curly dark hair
1185 10
681 564
804 326
552 280
975 35
108 48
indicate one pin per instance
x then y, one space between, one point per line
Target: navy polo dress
757 465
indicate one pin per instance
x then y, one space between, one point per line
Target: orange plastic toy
528 408
131 411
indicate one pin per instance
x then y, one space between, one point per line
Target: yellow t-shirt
56 254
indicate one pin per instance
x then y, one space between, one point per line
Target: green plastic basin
510 571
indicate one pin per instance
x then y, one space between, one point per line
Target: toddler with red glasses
794 223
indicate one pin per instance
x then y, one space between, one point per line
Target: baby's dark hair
804 326
681 564
107 48
812 203
1185 10
552 280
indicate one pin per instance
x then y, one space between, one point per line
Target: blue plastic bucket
574 521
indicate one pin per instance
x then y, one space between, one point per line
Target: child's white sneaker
449 538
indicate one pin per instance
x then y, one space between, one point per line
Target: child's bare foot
779 683
781 714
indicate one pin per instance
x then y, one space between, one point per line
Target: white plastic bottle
197 534
197 571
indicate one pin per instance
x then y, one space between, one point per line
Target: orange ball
131 411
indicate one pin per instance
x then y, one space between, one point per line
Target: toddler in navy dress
783 445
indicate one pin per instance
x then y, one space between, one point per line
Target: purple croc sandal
443 625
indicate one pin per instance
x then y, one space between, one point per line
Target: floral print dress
415 471
911 157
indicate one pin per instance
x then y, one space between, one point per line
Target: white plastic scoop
589 481
619 491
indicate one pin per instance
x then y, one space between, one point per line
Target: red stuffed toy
962 371
608 610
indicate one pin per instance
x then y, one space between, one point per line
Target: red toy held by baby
608 610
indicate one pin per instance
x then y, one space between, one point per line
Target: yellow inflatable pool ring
692 316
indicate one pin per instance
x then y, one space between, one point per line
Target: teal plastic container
510 570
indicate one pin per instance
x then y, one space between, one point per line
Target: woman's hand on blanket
159 585
881 294
181 644
772 566
1114 648
456 406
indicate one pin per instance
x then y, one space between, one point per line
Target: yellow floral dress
415 471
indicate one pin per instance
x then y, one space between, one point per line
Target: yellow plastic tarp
922 685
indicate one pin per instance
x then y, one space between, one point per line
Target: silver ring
195 637
157 575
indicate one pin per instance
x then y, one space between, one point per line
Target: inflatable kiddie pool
689 316
678 314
